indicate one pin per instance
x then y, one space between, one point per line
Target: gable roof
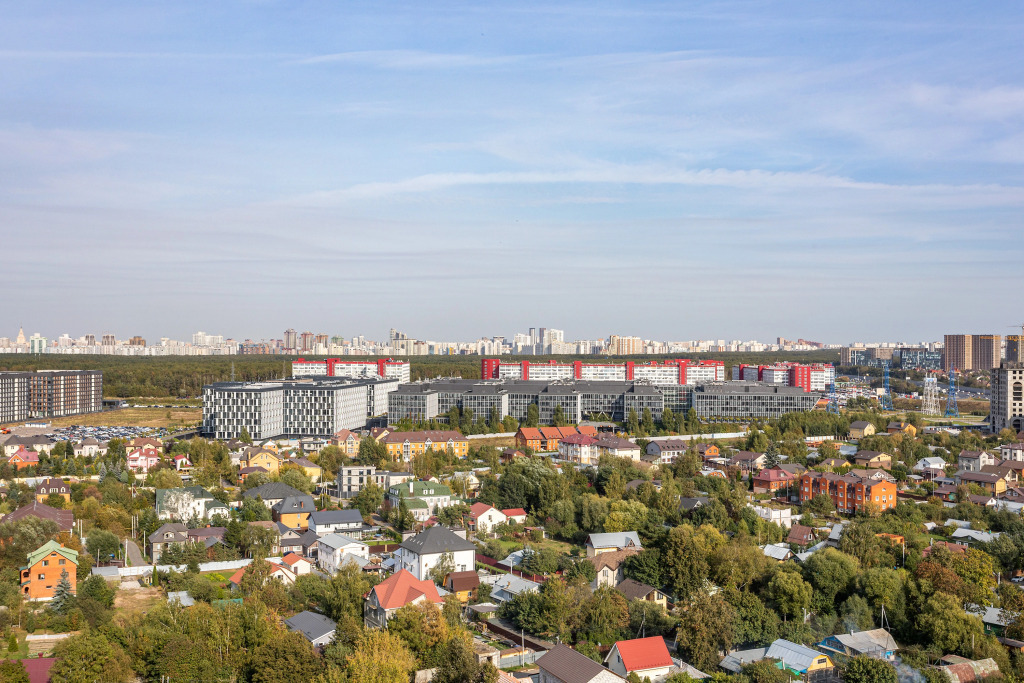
621 539
437 539
434 436
179 533
65 519
612 560
477 509
25 455
634 590
570 666
51 547
312 625
347 516
514 512
338 541
795 657
273 490
401 588
641 654
296 504
463 581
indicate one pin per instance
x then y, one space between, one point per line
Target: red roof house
393 593
648 657
23 458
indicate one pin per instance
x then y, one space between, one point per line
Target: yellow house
255 456
901 428
861 428
309 468
634 590
294 511
406 445
463 584
873 460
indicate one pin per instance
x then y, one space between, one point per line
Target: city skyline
667 170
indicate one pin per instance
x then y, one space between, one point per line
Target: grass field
497 442
137 601
134 417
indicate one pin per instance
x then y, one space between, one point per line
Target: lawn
137 601
134 417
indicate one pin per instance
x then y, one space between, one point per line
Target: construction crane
885 400
951 409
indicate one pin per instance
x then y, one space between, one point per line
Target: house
44 569
294 511
801 535
465 482
873 459
747 461
691 504
298 564
736 660
833 464
711 472
783 516
278 571
707 451
606 543
508 586
646 657
423 498
275 529
334 550
634 590
957 669
256 456
973 461
22 458
347 441
548 438
316 628
421 553
289 540
993 484
53 487
386 480
901 428
348 522
245 472
142 460
182 463
392 594
931 462
778 551
89 448
272 493
772 479
860 429
562 664
209 536
1012 451
483 518
352 479
146 442
579 448
609 566
65 519
190 502
170 534
668 451
39 444
969 536
463 585
798 659
510 454
1008 474
876 643
517 515
309 468
609 444
404 446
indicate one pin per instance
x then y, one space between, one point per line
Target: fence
491 562
230 565
491 436
528 657
698 437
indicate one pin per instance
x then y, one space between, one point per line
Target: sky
673 170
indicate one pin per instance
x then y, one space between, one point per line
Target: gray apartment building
578 399
1006 410
293 408
49 393
750 400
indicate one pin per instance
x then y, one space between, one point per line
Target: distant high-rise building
306 341
957 352
625 346
90 340
21 336
37 343
136 341
109 339
1014 350
290 339
971 351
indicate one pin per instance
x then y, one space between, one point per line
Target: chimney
410 487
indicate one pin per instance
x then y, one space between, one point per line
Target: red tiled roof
579 439
551 433
530 433
773 474
435 436
514 512
644 653
25 455
477 509
401 588
588 430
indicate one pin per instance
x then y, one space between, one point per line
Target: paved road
135 558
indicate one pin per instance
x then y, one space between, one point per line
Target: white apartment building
354 478
352 369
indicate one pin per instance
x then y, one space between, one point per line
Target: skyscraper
1014 352
986 351
290 339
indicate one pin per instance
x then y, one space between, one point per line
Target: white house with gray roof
334 548
421 553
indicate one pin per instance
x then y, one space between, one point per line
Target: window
46 563
60 562
42 577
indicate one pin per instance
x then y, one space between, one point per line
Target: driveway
135 558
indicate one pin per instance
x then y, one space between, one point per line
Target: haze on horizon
670 170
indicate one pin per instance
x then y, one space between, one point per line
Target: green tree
368 500
943 623
686 558
644 567
532 415
380 657
647 421
285 658
12 671
632 422
831 573
89 657
459 664
771 456
63 597
445 566
101 543
668 420
558 416
244 436
165 479
790 593
96 588
765 671
254 510
706 630
865 669
297 479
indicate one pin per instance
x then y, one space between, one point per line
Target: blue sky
835 171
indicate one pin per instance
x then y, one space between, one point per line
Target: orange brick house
39 578
23 458
548 438
849 493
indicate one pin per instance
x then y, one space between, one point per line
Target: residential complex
352 369
670 372
750 399
49 393
807 377
971 351
310 407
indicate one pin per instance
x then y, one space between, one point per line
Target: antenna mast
885 401
951 407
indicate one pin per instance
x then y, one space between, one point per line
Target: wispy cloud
410 59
